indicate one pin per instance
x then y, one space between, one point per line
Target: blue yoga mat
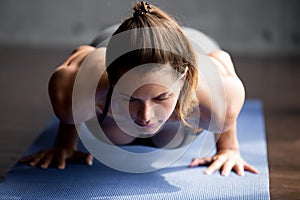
177 181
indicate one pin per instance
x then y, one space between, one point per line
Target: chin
149 132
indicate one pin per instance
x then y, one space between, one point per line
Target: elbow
221 124
60 102
235 102
230 120
232 113
226 120
63 113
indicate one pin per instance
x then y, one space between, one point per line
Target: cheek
133 109
171 106
165 110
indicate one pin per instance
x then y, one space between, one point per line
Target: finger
82 157
239 169
250 168
27 158
200 161
89 159
37 159
47 160
216 165
227 167
61 162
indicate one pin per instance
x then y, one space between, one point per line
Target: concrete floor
25 107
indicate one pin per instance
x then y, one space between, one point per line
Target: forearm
66 136
227 139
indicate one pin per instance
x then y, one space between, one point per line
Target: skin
142 111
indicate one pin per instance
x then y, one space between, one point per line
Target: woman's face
149 99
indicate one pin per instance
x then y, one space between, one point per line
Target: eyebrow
163 94
159 96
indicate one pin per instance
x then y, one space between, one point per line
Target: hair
150 35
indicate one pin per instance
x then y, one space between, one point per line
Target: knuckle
220 158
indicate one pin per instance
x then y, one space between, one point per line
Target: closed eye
162 97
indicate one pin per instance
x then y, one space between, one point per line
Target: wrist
233 148
66 136
227 141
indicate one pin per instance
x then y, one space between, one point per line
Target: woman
155 41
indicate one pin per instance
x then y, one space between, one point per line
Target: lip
146 126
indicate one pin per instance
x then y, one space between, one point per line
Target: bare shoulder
62 80
65 74
74 61
232 84
223 62
232 89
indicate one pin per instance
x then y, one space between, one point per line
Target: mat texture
178 181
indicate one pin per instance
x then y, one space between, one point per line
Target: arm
60 92
61 84
228 156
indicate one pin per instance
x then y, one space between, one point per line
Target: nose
144 114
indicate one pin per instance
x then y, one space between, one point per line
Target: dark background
256 27
262 36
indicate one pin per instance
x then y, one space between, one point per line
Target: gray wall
251 27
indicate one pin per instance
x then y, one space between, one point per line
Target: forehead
152 75
152 89
152 71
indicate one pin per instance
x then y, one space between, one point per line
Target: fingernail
207 172
61 167
225 174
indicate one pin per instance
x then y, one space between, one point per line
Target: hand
226 160
58 157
